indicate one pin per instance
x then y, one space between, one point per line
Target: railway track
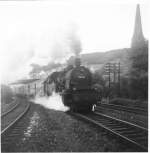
11 109
131 133
10 132
12 116
122 108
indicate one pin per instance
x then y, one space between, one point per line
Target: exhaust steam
52 102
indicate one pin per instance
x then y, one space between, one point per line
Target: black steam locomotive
75 86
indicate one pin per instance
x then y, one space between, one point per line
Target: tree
139 72
139 57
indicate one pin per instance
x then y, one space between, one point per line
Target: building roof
25 81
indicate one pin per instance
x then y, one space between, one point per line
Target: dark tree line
6 94
134 84
139 72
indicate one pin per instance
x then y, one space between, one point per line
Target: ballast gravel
47 130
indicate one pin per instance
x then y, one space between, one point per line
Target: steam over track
133 134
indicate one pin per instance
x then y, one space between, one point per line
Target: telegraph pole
114 69
119 76
114 72
29 89
109 73
35 89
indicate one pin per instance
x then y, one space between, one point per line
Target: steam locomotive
75 86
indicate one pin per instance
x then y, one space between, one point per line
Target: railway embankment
47 130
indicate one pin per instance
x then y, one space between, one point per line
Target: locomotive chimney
77 61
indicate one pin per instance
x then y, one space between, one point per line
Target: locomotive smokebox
77 61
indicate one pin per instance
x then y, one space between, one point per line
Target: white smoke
52 102
73 39
92 69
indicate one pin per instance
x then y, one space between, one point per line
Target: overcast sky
35 31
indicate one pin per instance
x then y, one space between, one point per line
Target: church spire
138 37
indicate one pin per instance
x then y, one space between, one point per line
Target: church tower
138 37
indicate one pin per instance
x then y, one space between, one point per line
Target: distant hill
95 60
101 58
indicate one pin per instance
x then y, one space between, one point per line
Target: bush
139 87
129 102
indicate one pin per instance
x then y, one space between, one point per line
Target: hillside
99 59
103 57
92 60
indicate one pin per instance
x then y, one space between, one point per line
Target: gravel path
48 130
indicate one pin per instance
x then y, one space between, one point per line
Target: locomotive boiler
78 93
74 84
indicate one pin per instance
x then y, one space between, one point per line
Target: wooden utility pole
29 89
109 74
114 69
119 76
114 72
35 89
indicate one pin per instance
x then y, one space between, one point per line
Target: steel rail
14 121
126 122
117 127
11 109
123 108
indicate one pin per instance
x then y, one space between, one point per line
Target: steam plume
52 102
66 44
74 41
